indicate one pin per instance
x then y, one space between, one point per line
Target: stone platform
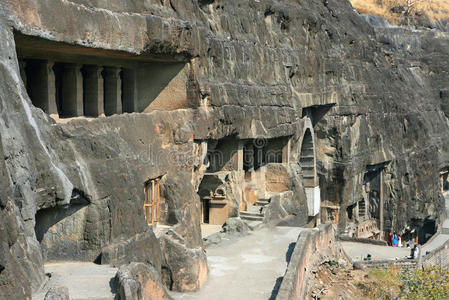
84 280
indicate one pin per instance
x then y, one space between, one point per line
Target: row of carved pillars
74 90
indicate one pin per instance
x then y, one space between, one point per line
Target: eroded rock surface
60 293
187 266
254 71
139 281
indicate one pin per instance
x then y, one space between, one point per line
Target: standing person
389 238
415 251
399 241
395 240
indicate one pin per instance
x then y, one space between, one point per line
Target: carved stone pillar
130 103
72 91
41 87
93 85
112 91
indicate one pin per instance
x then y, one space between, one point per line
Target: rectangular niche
68 81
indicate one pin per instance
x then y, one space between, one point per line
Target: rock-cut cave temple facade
122 117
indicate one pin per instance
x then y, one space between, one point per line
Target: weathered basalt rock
235 225
187 266
59 293
252 67
138 281
143 248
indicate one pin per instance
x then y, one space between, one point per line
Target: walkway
84 280
208 229
442 237
248 267
358 251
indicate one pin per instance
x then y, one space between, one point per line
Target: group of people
395 240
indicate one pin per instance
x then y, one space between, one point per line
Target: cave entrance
225 165
152 201
259 156
60 231
68 81
373 183
214 202
420 231
350 212
369 217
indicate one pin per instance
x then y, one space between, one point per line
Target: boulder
188 266
142 247
139 281
57 293
235 225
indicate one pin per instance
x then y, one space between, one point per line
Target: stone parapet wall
438 256
402 264
309 245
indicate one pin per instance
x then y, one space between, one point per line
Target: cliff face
378 98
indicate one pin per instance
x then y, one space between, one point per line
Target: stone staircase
256 211
307 162
362 209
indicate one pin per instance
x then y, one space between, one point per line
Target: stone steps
256 211
251 217
304 167
307 157
262 202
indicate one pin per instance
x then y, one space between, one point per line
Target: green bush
431 283
428 283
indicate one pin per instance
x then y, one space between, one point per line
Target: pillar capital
91 71
75 67
112 71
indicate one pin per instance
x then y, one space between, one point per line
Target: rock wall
252 67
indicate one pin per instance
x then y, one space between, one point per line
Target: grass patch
428 283
396 11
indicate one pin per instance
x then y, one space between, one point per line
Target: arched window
151 204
